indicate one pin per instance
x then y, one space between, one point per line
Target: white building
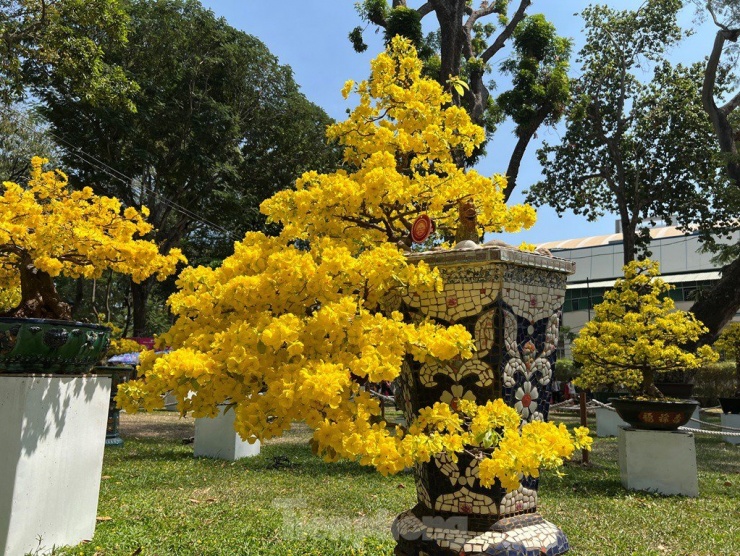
599 261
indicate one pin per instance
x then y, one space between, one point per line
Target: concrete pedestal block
170 402
608 422
658 461
52 438
216 438
731 420
693 425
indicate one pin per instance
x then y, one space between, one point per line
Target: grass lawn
156 499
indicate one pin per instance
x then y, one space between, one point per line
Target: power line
91 160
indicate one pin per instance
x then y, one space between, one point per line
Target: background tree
721 216
628 147
651 151
41 38
218 126
21 138
466 45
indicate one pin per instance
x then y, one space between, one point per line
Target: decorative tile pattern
513 314
524 535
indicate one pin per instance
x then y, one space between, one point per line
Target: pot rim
54 322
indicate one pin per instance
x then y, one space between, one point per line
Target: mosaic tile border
486 253
524 535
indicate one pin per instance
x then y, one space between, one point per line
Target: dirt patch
159 425
168 425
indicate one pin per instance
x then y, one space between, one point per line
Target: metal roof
671 279
595 241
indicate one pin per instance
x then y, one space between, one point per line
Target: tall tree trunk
720 304
140 295
450 16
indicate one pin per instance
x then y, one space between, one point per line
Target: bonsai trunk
648 388
140 295
39 297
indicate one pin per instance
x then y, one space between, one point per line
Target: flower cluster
636 333
403 143
55 230
290 328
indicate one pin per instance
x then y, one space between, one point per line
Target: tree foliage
636 334
290 327
46 230
219 126
728 344
466 46
641 150
21 138
62 38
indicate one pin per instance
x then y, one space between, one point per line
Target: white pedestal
731 420
608 422
52 434
216 438
693 425
170 402
658 461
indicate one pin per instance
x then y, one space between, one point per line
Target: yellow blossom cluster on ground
636 333
289 328
52 229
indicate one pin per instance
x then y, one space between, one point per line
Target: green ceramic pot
50 346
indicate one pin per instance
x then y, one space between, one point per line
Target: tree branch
498 44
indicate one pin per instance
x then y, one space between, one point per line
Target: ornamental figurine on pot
296 327
48 230
728 344
635 336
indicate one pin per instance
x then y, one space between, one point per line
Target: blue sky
311 37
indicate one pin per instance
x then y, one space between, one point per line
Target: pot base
521 535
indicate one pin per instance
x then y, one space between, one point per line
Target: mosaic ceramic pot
50 346
510 302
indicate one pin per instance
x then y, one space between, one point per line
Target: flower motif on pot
484 333
526 397
456 393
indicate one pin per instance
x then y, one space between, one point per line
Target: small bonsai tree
728 344
47 229
289 328
637 334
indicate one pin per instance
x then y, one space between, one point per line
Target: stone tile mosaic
525 535
513 314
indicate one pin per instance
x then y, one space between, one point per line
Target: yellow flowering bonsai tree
291 328
48 229
636 334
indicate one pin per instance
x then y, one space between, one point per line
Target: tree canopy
63 38
629 147
290 327
464 50
218 126
636 334
46 229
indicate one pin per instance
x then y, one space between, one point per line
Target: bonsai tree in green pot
728 344
637 335
47 230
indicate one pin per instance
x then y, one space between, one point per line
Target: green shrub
713 381
565 370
